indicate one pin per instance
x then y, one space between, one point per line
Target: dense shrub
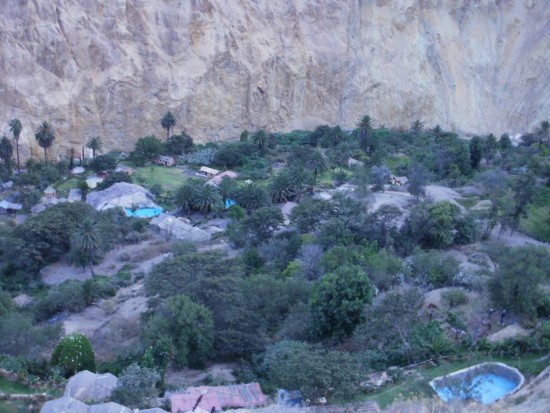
454 297
73 354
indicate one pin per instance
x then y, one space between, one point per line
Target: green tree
392 320
338 301
262 222
380 176
185 195
168 122
505 142
227 189
283 187
261 140
543 133
6 152
314 371
188 327
365 134
95 144
73 353
86 244
244 136
317 163
251 196
418 176
111 179
340 177
205 198
443 217
136 387
16 128
146 149
45 136
177 145
437 132
333 137
308 214
476 151
104 163
517 283
416 127
490 146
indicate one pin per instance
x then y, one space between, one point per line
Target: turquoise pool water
143 212
485 388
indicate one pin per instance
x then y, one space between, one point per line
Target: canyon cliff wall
113 68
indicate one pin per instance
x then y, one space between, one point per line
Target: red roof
218 397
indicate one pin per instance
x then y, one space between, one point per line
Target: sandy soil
143 255
112 324
510 331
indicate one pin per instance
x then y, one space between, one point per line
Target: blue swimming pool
143 212
485 383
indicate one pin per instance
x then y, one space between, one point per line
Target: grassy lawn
168 178
392 162
65 187
419 387
7 386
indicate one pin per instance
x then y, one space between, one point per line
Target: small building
50 192
10 207
208 172
216 398
165 161
399 180
355 162
218 178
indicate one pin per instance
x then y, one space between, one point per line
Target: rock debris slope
112 68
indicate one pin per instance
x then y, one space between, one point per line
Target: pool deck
497 368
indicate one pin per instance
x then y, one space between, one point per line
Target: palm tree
251 196
168 122
16 128
335 136
317 163
437 132
226 188
543 132
416 127
87 241
205 198
94 144
365 132
283 188
261 140
184 196
44 136
6 151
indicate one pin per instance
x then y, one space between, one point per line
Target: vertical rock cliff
112 68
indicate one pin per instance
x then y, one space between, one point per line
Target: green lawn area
65 187
7 386
413 386
168 178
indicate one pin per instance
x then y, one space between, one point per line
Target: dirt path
142 256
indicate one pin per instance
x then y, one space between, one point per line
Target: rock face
112 68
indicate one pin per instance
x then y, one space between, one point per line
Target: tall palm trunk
45 158
17 151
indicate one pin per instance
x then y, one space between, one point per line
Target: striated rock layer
112 68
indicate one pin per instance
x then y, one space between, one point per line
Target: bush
312 370
454 297
74 353
435 269
136 386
